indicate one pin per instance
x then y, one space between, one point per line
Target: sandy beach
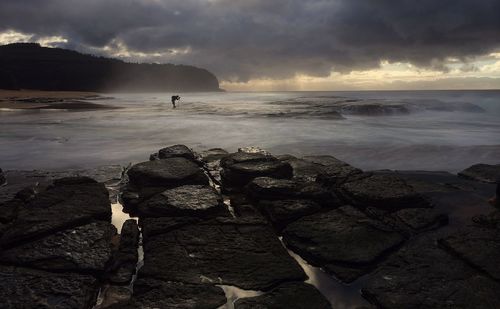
35 99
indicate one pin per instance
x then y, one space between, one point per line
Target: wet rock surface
302 169
166 173
418 219
382 191
27 288
175 151
148 179
288 295
223 251
266 188
456 197
344 236
213 154
153 293
282 212
63 205
157 226
125 259
478 245
421 275
337 174
482 172
408 239
188 200
85 248
238 169
59 238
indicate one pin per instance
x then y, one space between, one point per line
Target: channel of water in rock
340 295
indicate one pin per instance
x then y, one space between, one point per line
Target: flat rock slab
422 275
324 160
166 173
241 167
67 203
419 219
457 197
343 237
267 188
27 288
213 154
334 172
151 293
271 188
293 295
478 246
387 192
188 200
228 251
282 212
86 248
337 174
482 172
151 227
175 151
302 169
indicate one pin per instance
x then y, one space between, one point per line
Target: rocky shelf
241 230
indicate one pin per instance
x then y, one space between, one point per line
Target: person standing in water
175 98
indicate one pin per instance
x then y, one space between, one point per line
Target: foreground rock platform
188 200
210 229
238 169
68 202
478 244
288 295
151 293
345 242
381 191
60 238
27 288
222 251
85 248
421 275
166 173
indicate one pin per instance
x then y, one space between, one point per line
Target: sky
256 45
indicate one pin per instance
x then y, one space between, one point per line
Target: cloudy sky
281 44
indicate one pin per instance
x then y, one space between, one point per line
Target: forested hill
30 66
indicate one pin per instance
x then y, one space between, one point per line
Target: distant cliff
30 66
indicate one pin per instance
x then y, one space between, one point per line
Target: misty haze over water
437 130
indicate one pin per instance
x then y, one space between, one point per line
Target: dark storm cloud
262 38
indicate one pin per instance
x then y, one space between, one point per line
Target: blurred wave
431 130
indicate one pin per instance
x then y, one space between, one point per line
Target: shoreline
37 100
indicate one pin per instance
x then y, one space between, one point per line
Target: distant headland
31 66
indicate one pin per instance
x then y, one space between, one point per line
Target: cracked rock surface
226 251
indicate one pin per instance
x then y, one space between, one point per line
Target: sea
372 130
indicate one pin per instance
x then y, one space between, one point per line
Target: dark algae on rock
223 230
